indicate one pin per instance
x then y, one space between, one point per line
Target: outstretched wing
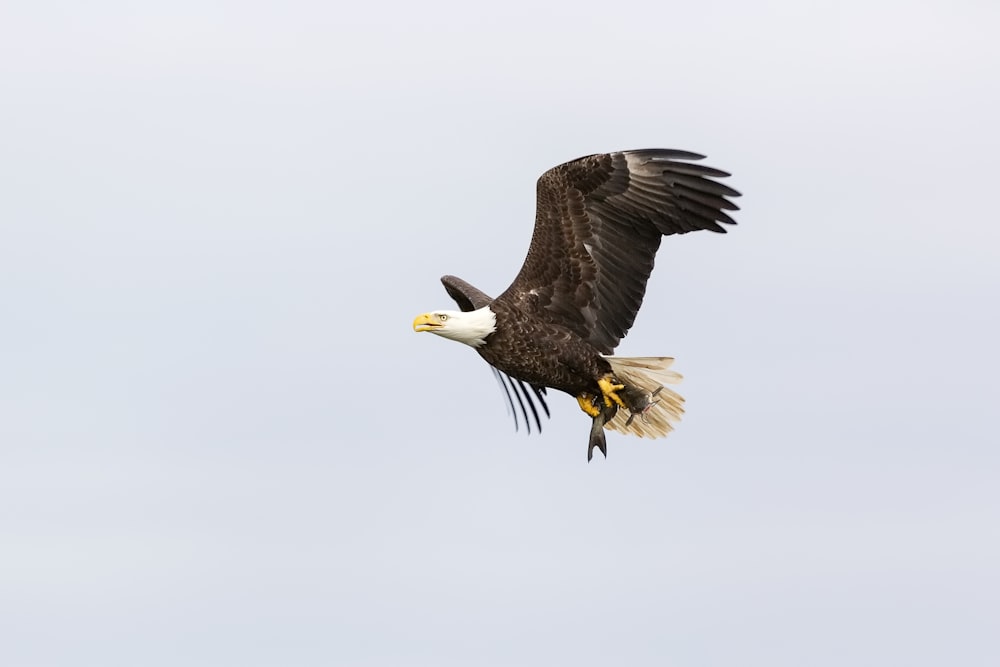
598 225
469 298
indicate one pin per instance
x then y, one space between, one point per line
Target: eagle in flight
598 224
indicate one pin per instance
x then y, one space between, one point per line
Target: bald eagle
598 224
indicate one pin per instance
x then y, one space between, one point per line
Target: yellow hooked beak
426 322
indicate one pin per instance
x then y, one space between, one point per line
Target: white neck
470 328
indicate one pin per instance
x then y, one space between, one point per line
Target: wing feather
598 224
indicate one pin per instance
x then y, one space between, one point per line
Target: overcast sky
221 442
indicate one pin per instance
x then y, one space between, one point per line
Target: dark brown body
542 353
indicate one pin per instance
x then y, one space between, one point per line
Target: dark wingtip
510 401
513 388
517 395
666 153
540 394
531 404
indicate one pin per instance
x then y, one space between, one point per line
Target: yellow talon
586 402
608 389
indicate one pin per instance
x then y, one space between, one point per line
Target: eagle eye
442 317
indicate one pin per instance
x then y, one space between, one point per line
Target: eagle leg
586 402
609 388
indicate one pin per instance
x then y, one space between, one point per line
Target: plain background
222 444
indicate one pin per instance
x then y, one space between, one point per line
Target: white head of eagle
470 327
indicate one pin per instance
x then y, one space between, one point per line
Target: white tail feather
648 374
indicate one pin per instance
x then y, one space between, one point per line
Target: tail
653 409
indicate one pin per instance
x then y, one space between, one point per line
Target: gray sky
222 443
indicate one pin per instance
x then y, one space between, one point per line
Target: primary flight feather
598 224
